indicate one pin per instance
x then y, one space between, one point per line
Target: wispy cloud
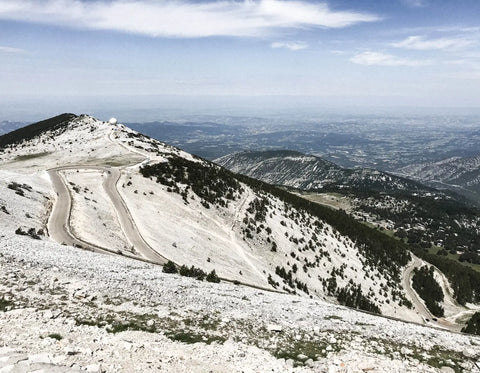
383 59
415 3
11 50
421 43
184 18
292 45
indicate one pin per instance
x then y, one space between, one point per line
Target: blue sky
387 53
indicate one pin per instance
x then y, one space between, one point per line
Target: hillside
307 172
429 220
108 189
70 310
459 174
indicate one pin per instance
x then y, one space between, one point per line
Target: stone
96 368
447 370
43 358
274 328
302 357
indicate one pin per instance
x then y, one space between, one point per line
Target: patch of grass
56 336
114 325
311 349
191 337
5 305
435 249
332 317
26 157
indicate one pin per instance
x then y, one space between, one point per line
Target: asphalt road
59 221
412 295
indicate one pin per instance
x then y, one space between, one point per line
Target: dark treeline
429 290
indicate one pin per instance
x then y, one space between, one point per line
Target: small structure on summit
113 121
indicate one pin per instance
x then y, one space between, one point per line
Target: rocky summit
120 253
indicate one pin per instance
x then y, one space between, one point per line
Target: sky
96 55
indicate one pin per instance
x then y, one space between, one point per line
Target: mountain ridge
308 172
247 231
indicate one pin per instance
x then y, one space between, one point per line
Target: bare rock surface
68 310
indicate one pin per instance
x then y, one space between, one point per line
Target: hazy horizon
99 56
153 108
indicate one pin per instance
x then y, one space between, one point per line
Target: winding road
59 222
412 294
59 229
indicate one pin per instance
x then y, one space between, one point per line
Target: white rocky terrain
302 171
67 309
459 174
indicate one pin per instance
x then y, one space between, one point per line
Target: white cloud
415 3
11 50
170 18
420 43
292 45
382 59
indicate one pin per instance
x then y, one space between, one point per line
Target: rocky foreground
67 310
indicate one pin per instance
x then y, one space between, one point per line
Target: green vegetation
464 280
217 185
26 157
429 290
56 124
5 304
300 351
381 251
212 277
113 323
56 336
170 267
212 184
455 257
473 325
352 296
191 337
193 271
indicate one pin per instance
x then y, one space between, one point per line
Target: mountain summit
78 181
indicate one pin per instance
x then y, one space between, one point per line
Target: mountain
78 181
459 174
307 172
427 219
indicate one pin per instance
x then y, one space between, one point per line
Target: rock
274 328
302 357
406 351
40 359
468 352
332 340
289 363
329 348
309 363
150 323
70 351
93 368
447 370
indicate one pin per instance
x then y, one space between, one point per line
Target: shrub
212 277
170 267
473 325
